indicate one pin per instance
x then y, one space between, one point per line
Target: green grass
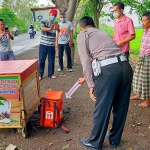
109 30
134 44
75 37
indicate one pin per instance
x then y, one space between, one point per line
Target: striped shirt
145 45
48 38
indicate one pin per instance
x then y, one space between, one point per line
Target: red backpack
51 110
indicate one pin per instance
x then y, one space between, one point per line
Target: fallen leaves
139 123
65 147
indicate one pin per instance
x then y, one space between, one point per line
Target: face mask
63 19
116 15
52 18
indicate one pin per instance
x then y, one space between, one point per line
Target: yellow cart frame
28 99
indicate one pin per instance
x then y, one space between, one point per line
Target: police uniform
112 86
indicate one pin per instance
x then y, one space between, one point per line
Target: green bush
23 30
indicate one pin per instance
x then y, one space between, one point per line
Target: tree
22 8
61 4
69 6
97 5
12 19
71 10
8 16
94 8
91 8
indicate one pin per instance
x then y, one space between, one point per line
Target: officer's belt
112 60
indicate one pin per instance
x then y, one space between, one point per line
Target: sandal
40 78
53 77
135 97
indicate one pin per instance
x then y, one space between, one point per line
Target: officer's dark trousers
112 89
61 48
43 52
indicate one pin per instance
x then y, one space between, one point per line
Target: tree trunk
61 4
71 10
97 9
69 16
96 19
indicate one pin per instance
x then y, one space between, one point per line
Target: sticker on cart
9 101
9 87
5 107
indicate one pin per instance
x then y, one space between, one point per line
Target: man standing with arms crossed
123 28
64 40
47 45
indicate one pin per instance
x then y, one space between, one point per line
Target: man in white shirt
64 40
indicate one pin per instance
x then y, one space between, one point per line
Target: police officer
110 89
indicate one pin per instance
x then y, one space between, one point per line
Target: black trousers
112 90
61 48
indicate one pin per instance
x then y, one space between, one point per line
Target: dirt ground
78 119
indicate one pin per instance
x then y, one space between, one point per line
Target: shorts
9 55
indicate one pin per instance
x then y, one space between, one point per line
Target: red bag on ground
51 113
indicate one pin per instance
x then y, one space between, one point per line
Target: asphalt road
23 43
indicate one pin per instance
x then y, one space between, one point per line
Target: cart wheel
24 133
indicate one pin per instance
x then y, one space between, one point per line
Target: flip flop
40 78
135 97
53 77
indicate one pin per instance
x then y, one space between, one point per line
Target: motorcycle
16 33
32 33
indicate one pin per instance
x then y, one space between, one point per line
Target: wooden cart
19 93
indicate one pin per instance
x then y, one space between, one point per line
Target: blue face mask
52 18
63 19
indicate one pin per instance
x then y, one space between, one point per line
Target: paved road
23 42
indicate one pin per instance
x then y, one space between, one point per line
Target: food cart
19 93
